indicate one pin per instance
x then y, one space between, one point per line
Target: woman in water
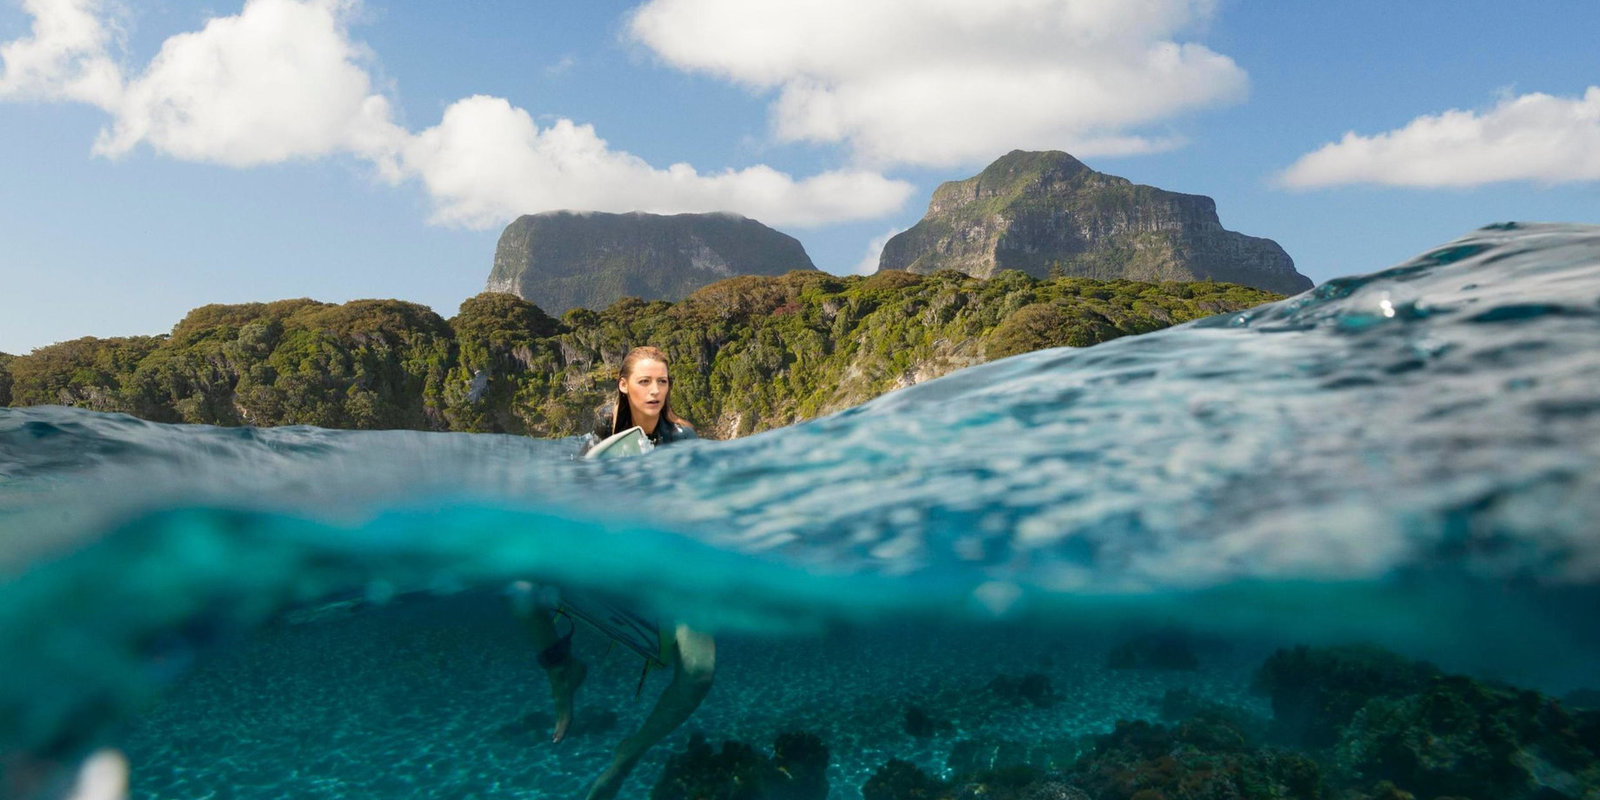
643 392
643 395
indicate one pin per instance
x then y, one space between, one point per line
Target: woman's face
646 389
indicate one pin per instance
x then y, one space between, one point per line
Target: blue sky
162 155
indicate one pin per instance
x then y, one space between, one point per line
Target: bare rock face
563 259
1047 213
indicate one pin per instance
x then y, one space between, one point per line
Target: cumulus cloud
279 81
283 80
487 160
1533 137
64 56
945 82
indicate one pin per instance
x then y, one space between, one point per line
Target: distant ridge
1047 213
563 259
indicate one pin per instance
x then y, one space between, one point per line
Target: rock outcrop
563 259
1047 213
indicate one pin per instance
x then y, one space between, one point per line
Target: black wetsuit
621 625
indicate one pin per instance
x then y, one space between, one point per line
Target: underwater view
1342 546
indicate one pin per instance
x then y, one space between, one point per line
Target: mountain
563 259
1047 213
748 353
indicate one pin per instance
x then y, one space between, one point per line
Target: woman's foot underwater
564 683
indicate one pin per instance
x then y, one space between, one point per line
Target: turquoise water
1409 458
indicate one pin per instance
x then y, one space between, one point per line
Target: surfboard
630 442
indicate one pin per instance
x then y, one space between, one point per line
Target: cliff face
1047 213
562 259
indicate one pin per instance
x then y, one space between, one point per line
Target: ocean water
1409 458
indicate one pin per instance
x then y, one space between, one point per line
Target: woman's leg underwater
694 657
565 671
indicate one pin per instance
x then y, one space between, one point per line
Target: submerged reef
1350 723
797 770
1464 738
1316 691
1204 757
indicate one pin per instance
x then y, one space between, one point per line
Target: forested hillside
750 353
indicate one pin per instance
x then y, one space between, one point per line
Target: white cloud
64 57
283 80
869 260
944 82
279 81
1534 137
487 160
560 67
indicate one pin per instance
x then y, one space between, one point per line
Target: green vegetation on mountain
87 373
5 378
566 259
1046 213
749 353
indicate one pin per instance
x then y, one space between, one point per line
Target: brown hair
622 413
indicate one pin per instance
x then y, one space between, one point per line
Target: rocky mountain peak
566 259
1049 213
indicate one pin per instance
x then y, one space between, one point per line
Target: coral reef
1316 691
1194 760
1198 759
1406 729
1461 737
797 770
1181 704
1351 723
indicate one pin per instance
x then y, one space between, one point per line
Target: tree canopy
748 353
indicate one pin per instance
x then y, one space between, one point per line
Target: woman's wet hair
622 416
